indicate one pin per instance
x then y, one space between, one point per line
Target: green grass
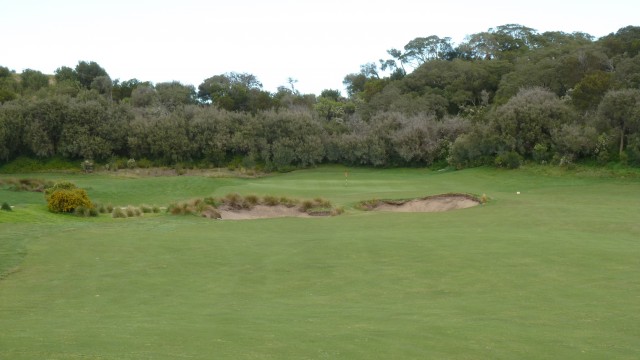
550 273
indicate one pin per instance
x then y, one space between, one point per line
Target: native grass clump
211 207
129 210
33 185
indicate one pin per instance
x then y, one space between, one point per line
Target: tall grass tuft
118 213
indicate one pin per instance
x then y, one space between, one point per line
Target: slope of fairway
550 273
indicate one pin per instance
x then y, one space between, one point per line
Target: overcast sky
315 42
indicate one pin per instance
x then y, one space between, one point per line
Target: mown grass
549 273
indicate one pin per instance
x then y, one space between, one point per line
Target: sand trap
436 203
261 212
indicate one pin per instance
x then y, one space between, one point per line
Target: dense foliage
503 96
65 197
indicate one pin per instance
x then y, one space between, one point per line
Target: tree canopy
502 96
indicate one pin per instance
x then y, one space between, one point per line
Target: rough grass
550 273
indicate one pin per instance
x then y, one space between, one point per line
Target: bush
87 166
509 160
62 185
146 209
65 197
131 163
66 201
5 206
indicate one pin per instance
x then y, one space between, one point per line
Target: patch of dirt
261 212
437 203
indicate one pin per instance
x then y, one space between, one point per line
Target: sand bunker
435 203
262 212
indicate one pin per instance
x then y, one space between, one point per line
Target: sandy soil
430 204
262 212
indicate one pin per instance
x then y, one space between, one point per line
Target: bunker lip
262 212
434 203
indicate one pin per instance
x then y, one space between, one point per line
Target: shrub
62 185
5 206
155 209
146 209
87 166
144 163
65 201
509 160
131 163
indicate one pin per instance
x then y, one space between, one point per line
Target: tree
103 85
174 94
588 92
144 95
33 80
529 118
620 109
123 90
625 41
505 42
235 92
86 72
354 83
423 49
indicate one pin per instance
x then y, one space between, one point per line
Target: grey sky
315 42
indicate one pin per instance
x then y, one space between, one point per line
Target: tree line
501 97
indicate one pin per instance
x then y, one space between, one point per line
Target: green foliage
33 80
85 73
529 118
6 207
413 109
620 111
509 160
